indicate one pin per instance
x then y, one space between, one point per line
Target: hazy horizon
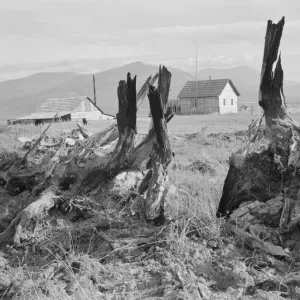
85 36
191 71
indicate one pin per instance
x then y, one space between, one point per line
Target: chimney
94 84
209 77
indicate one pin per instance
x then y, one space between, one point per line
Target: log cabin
209 96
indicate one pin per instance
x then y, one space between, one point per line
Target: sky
87 36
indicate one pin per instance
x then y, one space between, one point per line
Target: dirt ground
107 253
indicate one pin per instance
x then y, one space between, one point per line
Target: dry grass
193 207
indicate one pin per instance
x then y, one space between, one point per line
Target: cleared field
196 242
178 125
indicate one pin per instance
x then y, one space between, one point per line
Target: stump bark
164 83
160 159
110 134
269 164
126 120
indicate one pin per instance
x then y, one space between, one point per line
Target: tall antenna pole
196 72
94 84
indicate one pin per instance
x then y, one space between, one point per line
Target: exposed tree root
35 211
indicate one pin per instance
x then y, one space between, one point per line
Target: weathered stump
160 159
269 164
126 120
111 134
69 173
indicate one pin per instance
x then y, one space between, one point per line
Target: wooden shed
68 109
209 96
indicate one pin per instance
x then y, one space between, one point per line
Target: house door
193 106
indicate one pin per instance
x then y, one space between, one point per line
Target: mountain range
22 96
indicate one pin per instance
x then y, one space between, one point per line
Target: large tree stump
140 156
69 172
17 180
269 164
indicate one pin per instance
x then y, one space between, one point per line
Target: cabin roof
206 88
61 104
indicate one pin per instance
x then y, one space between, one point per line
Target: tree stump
160 159
68 174
126 120
269 164
110 134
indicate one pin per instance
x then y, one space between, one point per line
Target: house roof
206 88
50 107
61 104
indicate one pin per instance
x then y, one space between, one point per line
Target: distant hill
32 91
22 96
33 84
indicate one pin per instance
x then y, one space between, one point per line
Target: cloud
212 60
221 59
216 33
24 22
228 33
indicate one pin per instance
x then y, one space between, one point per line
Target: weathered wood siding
88 111
204 105
85 105
89 115
228 100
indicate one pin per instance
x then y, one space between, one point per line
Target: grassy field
179 124
184 124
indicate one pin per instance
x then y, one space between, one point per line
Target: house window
231 101
193 103
224 101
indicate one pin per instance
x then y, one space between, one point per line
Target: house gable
86 105
228 100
